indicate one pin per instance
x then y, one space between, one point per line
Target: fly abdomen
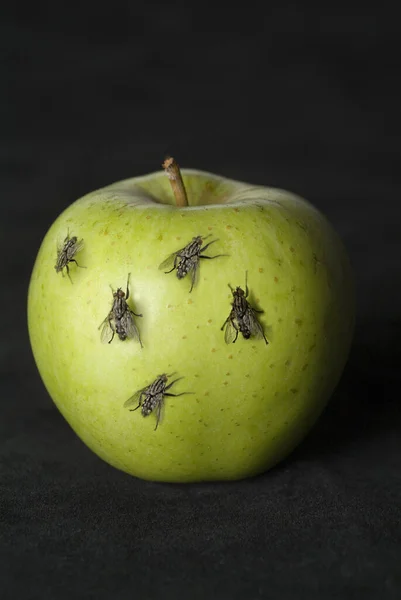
244 329
120 330
150 403
182 269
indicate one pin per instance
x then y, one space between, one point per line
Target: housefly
120 319
242 318
65 254
186 260
151 397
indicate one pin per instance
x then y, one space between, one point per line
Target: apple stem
173 172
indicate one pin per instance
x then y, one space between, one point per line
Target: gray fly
65 254
151 397
242 318
120 319
186 260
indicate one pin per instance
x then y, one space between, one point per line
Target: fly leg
68 272
177 256
193 278
236 331
80 266
139 404
127 292
207 246
170 384
225 323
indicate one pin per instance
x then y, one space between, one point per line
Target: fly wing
107 330
254 325
60 260
135 398
194 271
159 409
78 246
230 332
129 325
168 264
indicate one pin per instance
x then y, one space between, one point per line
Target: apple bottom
179 456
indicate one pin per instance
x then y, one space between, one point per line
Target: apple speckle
276 279
228 373
312 347
260 270
225 382
298 322
228 226
209 320
271 366
206 393
287 362
294 391
210 228
230 356
213 350
305 366
292 249
184 337
189 301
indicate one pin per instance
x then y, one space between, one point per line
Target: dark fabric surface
303 100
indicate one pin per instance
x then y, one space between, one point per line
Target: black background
297 96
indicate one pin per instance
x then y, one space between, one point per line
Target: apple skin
251 403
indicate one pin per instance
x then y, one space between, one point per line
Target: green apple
250 403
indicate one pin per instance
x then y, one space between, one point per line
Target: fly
120 319
242 318
65 254
151 397
186 260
